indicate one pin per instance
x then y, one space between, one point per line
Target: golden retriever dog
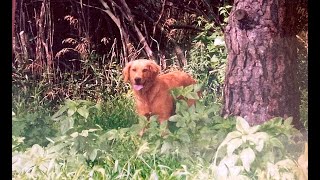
152 90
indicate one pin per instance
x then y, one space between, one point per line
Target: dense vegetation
80 123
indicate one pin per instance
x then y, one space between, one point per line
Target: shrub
207 60
198 144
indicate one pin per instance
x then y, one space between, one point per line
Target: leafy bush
36 97
31 114
208 58
81 114
197 144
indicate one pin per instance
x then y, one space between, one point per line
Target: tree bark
262 62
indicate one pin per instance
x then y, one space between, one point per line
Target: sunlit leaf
84 133
272 171
233 144
242 125
74 135
59 113
166 147
71 110
66 124
230 136
247 156
83 111
93 154
112 134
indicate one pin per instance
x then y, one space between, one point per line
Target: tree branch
141 38
123 34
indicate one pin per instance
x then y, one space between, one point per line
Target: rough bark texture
262 62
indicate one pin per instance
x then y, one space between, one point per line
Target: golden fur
151 90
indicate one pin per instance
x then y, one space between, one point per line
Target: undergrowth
198 144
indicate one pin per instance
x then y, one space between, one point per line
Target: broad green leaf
59 113
66 124
37 150
230 161
71 103
253 129
192 124
221 172
200 108
230 136
71 111
112 134
83 111
93 154
260 145
183 136
192 95
287 122
181 123
272 171
192 109
93 130
84 133
276 142
197 87
174 118
57 148
74 135
242 125
185 114
233 144
258 139
214 58
234 172
247 156
166 147
164 125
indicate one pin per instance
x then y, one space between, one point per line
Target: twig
158 20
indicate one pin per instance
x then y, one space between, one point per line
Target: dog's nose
137 79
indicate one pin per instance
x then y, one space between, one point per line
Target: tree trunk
262 62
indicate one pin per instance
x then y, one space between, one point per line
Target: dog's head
140 72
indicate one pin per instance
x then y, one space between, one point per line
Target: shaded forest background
52 37
58 43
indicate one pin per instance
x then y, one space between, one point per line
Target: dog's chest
153 102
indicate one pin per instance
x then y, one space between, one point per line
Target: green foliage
117 112
81 114
225 12
257 152
74 114
31 115
208 58
195 143
35 98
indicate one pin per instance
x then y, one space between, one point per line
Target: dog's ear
126 72
154 68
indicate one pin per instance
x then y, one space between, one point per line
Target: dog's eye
144 70
134 70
